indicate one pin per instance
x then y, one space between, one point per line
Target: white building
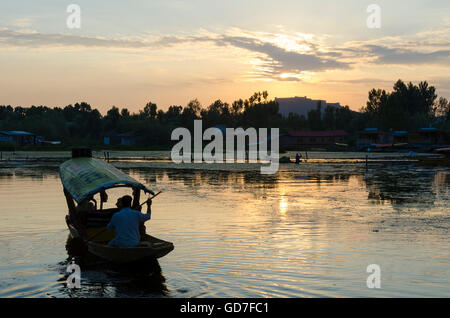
301 105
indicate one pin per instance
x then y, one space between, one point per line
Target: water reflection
28 172
398 184
395 185
404 186
304 231
104 279
199 178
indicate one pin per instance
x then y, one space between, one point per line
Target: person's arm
148 215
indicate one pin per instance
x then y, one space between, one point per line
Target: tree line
407 107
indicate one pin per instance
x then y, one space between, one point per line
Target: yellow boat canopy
84 177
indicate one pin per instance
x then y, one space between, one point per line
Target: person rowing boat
126 223
298 158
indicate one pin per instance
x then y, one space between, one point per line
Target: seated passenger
86 206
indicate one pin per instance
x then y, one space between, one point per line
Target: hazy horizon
169 52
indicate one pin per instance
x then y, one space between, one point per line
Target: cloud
389 55
273 59
284 61
283 57
426 48
24 22
32 39
365 81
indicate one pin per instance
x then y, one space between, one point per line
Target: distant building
424 139
373 137
400 137
307 139
113 138
428 136
20 138
301 105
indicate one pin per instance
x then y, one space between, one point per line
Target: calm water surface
308 231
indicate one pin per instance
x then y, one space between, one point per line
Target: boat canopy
84 177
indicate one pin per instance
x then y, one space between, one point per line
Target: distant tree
160 115
296 122
94 124
329 118
193 108
149 111
407 106
124 113
237 107
173 114
112 119
376 105
258 113
190 113
83 107
345 117
442 108
217 113
395 109
315 117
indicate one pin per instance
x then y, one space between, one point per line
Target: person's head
90 207
126 201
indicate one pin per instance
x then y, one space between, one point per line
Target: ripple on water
308 231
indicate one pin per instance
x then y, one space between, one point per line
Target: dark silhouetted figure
298 158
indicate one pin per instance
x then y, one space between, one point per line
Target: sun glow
284 205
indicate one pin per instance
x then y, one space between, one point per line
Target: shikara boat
84 178
443 160
285 160
435 161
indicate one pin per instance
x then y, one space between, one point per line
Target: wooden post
367 163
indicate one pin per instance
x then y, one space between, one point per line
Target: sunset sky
127 53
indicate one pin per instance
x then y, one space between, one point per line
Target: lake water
308 231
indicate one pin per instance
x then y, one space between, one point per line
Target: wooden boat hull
435 161
150 247
288 160
285 160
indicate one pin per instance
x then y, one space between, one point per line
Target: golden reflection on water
283 204
306 231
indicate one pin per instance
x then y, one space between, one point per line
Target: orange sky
178 51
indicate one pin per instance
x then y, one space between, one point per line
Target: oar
149 199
